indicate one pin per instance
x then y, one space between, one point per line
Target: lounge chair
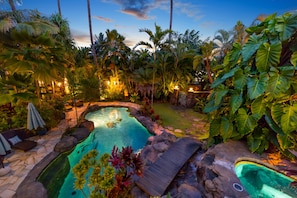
17 139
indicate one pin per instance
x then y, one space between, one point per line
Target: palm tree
91 35
59 7
239 34
157 40
29 48
12 3
170 23
223 41
205 58
191 39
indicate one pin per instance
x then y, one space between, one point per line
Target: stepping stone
178 131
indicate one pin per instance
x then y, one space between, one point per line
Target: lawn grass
179 118
170 117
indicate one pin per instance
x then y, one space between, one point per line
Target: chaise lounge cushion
17 141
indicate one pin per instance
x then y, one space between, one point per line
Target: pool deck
21 163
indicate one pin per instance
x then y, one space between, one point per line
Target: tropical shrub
254 95
134 97
108 176
146 108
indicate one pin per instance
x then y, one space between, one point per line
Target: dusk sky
128 16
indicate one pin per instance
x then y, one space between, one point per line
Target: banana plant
254 96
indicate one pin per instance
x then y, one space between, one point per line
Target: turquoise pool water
123 130
262 182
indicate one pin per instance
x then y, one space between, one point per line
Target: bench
17 139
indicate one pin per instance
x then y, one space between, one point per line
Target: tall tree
91 34
59 7
205 58
12 3
158 42
239 34
223 41
30 49
170 23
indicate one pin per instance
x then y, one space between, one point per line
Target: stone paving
21 163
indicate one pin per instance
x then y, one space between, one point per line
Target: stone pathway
21 163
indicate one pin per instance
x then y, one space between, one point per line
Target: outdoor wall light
191 89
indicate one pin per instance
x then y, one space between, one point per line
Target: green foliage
146 108
200 104
50 113
254 94
108 176
19 119
134 97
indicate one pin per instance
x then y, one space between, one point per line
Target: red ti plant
126 164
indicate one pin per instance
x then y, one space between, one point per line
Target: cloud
138 8
142 8
81 39
107 20
189 9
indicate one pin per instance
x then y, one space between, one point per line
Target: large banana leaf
257 86
277 83
258 106
272 124
289 118
286 25
220 93
268 55
240 79
214 127
250 48
257 141
210 106
294 59
236 101
233 56
276 113
286 141
222 79
226 128
246 123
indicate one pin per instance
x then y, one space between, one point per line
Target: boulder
185 190
215 170
165 137
87 124
65 144
80 133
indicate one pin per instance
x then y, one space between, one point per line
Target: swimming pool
263 182
113 126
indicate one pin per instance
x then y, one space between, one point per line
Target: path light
176 88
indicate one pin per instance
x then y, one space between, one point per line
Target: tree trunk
170 23
12 6
59 8
92 42
207 67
